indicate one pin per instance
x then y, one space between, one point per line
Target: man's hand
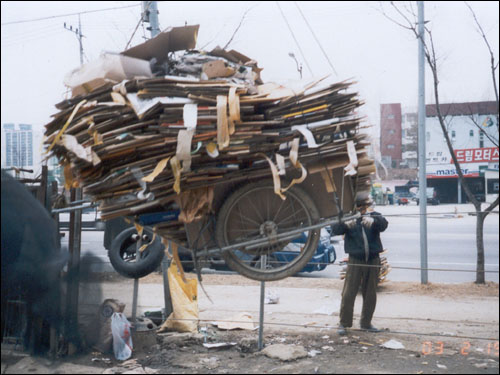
350 223
367 221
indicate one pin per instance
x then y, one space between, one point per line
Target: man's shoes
370 328
341 330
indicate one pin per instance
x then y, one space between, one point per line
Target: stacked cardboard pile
384 268
138 145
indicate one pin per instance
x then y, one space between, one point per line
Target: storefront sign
477 155
442 171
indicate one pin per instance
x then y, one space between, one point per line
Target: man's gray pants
367 278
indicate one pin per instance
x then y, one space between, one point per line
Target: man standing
362 243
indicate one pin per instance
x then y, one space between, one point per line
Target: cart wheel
122 253
255 211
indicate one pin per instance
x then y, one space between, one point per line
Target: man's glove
367 221
350 223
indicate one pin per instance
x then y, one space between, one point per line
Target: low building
473 129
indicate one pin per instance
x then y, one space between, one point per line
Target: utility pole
79 35
422 175
74 242
150 14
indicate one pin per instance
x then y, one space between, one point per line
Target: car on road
402 199
325 252
432 197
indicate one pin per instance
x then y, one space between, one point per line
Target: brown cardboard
108 68
173 39
217 68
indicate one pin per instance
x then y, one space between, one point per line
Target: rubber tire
152 260
233 261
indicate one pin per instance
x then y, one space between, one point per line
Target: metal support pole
422 176
459 191
165 263
75 238
263 264
151 16
136 282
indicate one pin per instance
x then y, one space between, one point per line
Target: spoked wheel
122 253
255 211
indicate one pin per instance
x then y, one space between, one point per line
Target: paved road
451 244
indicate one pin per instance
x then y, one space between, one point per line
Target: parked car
325 252
432 197
403 198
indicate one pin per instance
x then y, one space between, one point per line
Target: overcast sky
360 42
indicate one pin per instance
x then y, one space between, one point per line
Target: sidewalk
437 328
313 305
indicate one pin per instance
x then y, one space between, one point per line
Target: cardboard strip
294 151
185 137
176 170
297 180
324 106
212 150
294 159
276 177
120 88
118 98
145 246
140 229
280 161
222 122
183 152
164 241
329 183
58 136
158 169
85 153
350 170
308 135
175 254
69 179
234 109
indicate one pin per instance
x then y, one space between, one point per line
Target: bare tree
238 27
407 19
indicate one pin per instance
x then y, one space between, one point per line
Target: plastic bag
122 338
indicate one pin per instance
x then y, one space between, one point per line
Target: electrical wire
316 38
68 14
294 38
130 40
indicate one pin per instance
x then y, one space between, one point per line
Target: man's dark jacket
353 241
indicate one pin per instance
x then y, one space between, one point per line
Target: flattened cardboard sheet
173 39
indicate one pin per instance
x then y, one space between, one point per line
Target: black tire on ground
122 253
254 210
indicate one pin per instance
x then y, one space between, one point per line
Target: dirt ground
328 353
324 350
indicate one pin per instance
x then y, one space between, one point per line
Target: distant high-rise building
18 145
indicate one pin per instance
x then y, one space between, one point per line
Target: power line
68 14
295 39
316 38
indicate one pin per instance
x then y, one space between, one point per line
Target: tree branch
474 122
235 31
492 57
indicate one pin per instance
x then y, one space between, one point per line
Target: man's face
363 209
